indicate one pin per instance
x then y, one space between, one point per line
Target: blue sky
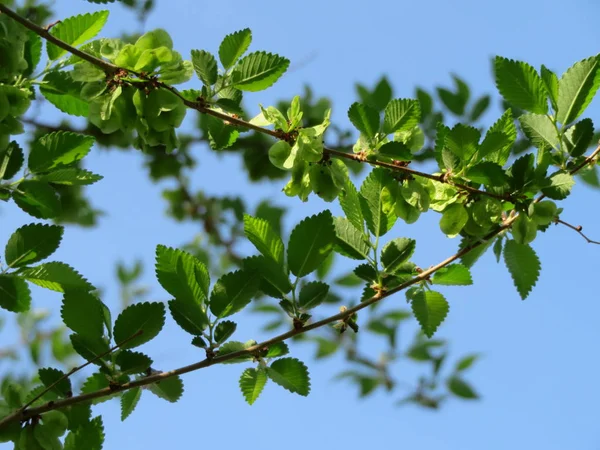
540 359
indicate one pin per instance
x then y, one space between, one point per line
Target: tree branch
577 228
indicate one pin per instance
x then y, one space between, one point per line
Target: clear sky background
538 374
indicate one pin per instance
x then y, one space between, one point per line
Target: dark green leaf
466 362
350 241
189 315
82 313
430 308
480 106
364 118
453 275
551 83
265 239
37 199
11 160
14 294
89 348
129 401
232 292
396 150
310 243
170 389
578 138
559 185
487 173
49 376
147 318
463 141
224 331
205 66
521 85
460 388
396 253
371 197
133 362
70 176
32 243
313 294
274 280
350 203
523 265
291 374
65 93
181 274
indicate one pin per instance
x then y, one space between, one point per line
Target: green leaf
540 130
252 383
551 83
453 275
65 93
89 436
460 388
372 201
82 313
234 46
265 239
32 243
220 135
505 125
524 229
89 348
466 362
224 330
350 203
578 138
205 66
181 274
189 315
75 31
396 253
395 150
543 213
463 141
37 199
521 85
479 107
170 389
272 274
401 115
313 294
487 173
577 88
11 160
60 148
523 265
430 308
277 350
559 185
49 376
349 241
14 294
364 118
454 218
235 346
258 71
147 318
291 374
70 176
132 362
232 292
129 401
56 276
310 243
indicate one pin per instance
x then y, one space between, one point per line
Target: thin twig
577 228
76 369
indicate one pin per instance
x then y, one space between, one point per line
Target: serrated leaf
129 401
310 243
453 275
181 274
11 160
350 241
521 85
576 89
82 313
396 253
65 93
220 135
149 318
350 203
524 229
505 125
559 185
224 330
14 294
235 346
312 294
396 150
578 138
291 374
364 118
71 176
461 388
523 265
89 436
453 220
60 148
372 202
551 83
278 349
252 383
170 389
487 173
401 115
430 309
258 71
540 130
56 276
132 362
234 46
232 292
480 106
205 66
189 315
89 348
32 243
75 31
463 141
49 376
265 239
272 274
38 199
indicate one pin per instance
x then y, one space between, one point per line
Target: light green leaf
234 46
463 141
170 389
543 213
523 265
265 239
129 401
291 374
147 318
258 71
205 66
14 294
524 229
396 253
277 350
540 130
64 93
430 308
401 115
505 125
364 118
60 148
453 275
349 241
350 203
313 294
32 243
521 85
372 201
559 185
82 313
551 83
461 388
310 243
252 383
37 199
56 276
75 31
454 218
577 88
235 346
232 292
182 275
